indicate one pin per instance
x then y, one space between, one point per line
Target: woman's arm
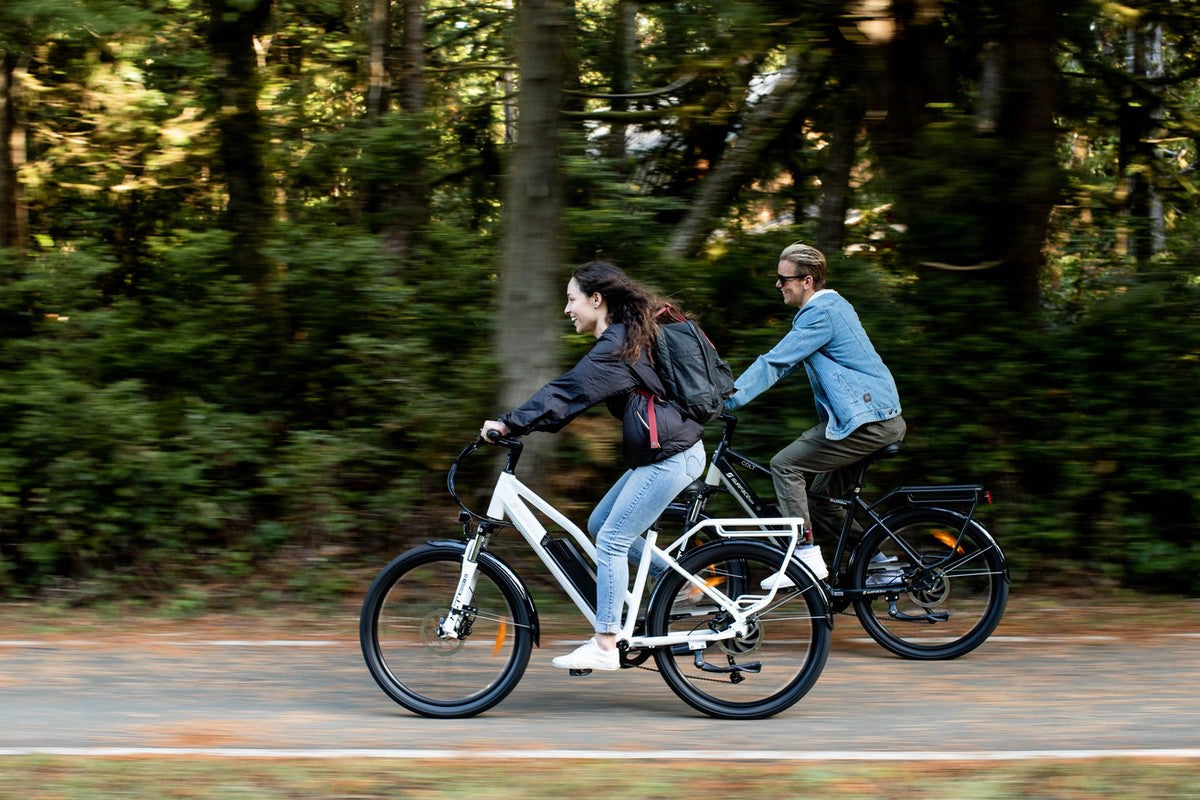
599 375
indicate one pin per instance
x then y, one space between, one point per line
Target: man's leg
792 467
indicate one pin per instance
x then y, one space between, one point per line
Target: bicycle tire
437 677
789 641
949 602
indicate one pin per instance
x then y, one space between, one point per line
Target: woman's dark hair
628 302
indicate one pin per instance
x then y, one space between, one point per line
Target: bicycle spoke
771 664
932 594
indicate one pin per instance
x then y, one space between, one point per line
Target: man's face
794 284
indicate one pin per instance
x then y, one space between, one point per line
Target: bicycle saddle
887 451
694 488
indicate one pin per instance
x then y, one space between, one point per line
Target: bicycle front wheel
938 581
762 672
426 672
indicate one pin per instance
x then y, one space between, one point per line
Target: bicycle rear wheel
756 675
424 672
945 583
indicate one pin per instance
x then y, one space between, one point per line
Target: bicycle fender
507 573
896 518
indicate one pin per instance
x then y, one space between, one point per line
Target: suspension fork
457 624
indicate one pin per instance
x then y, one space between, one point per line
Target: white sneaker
589 656
811 556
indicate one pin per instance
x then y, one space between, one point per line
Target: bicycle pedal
579 673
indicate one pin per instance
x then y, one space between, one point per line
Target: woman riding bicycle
620 313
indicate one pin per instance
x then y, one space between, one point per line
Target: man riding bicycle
858 405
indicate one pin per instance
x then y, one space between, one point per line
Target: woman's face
588 312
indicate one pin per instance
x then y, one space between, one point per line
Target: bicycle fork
457 623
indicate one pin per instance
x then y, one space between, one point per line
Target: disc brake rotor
744 645
431 623
936 593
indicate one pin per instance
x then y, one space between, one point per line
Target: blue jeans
626 511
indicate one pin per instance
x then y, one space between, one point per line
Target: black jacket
602 375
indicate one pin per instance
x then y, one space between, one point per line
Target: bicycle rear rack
968 494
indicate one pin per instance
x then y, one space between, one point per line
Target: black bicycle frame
727 461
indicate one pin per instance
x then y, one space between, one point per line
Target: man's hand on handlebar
486 431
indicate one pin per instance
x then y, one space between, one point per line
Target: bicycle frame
513 504
723 472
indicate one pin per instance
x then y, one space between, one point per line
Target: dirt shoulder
1042 613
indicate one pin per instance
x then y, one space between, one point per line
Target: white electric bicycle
447 627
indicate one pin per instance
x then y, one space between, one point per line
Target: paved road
182 689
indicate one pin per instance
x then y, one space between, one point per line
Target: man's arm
810 332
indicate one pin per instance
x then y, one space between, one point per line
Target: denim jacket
851 385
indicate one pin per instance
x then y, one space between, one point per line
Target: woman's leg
601 512
639 498
631 506
605 506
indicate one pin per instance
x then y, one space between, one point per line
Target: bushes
167 434
171 434
1086 430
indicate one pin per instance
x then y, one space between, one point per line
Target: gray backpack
696 378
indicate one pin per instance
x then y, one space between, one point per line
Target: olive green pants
821 460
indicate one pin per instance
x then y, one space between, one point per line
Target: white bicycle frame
516 502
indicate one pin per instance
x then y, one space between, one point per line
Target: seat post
860 467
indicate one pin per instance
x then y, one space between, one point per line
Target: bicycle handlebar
514 447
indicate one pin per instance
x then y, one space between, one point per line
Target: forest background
265 265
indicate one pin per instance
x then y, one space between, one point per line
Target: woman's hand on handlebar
486 430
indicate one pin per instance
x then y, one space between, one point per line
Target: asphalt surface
211 690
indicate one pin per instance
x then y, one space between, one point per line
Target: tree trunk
990 79
249 214
379 83
13 226
835 180
765 121
1139 118
1028 125
623 50
242 136
404 198
412 69
532 279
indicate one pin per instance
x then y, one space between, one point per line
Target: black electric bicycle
926 579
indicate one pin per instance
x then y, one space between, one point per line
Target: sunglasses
783 279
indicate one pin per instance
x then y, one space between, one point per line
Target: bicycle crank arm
735 669
932 618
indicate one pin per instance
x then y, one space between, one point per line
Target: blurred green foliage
137 449
165 425
137 452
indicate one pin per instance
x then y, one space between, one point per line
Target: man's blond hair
808 260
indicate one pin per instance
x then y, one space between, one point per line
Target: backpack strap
673 314
651 417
